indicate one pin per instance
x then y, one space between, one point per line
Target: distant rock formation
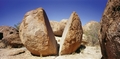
58 27
10 37
36 33
110 31
90 31
72 35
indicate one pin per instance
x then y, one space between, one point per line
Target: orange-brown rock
36 33
10 36
72 35
109 35
58 27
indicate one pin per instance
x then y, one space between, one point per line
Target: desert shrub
17 25
92 34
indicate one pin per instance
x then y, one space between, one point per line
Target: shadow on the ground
82 47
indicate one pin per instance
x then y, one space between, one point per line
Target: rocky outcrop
110 31
36 33
72 35
10 36
58 27
90 33
2 44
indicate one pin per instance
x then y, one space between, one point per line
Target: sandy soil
22 53
89 52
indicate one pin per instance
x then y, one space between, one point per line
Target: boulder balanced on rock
36 33
72 35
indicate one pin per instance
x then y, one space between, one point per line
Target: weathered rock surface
110 31
10 36
90 33
58 27
36 33
2 44
72 35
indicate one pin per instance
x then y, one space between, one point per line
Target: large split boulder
36 33
58 27
109 35
10 37
72 35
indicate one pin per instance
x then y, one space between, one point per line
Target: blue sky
13 11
